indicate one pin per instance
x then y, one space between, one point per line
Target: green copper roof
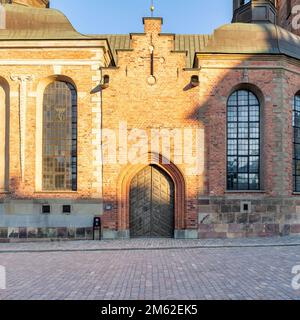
191 43
29 23
235 38
254 38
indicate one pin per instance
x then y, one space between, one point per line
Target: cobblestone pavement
178 273
146 244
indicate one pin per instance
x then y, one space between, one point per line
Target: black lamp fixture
105 82
195 81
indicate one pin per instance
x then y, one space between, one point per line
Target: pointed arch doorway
152 204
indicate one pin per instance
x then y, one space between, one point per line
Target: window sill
245 191
56 192
296 193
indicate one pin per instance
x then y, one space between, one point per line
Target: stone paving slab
146 244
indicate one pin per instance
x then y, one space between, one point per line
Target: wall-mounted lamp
105 82
195 81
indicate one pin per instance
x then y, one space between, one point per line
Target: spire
152 8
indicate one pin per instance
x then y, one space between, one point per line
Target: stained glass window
60 137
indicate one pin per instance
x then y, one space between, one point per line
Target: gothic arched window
296 125
60 137
243 141
3 136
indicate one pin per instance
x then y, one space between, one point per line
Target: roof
251 38
29 3
235 38
30 23
191 43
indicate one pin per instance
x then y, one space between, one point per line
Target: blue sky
124 16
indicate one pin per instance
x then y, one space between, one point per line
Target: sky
125 16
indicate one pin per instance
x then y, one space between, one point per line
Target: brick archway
124 187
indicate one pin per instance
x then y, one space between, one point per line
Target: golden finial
152 8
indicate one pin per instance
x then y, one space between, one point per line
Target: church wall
166 104
170 103
21 207
275 209
145 93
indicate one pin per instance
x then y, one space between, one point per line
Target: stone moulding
22 79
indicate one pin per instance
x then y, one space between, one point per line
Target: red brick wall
83 78
169 103
218 79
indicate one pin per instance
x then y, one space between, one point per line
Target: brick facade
219 212
145 92
23 198
164 105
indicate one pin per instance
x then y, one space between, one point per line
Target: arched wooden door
152 195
